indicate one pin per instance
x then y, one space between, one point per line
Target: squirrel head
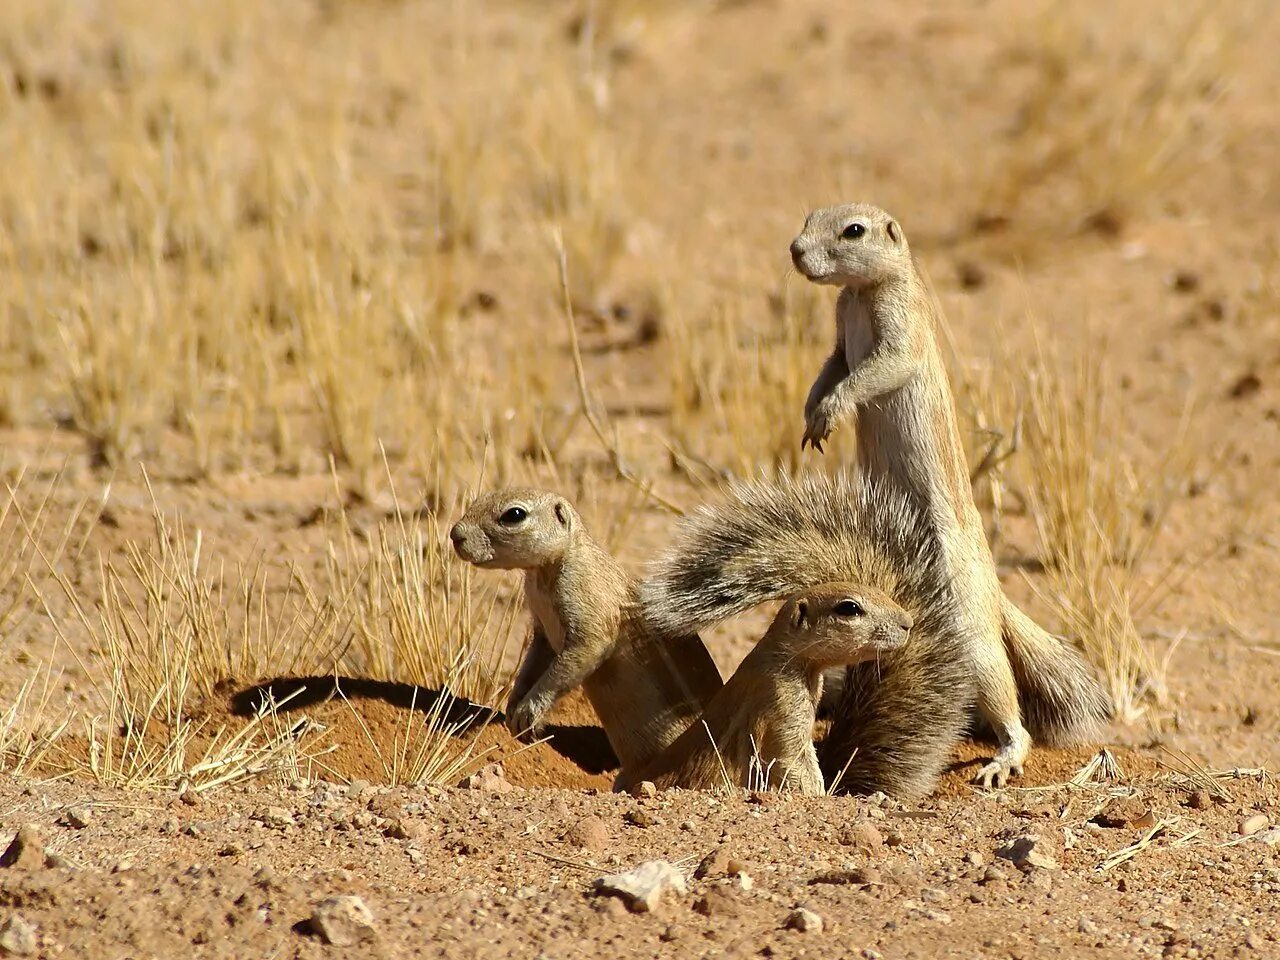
839 623
515 529
853 245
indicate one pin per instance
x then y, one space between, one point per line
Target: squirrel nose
905 622
797 251
456 534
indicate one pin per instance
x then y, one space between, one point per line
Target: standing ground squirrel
758 730
587 630
898 719
887 368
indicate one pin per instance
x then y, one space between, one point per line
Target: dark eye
853 231
849 608
513 515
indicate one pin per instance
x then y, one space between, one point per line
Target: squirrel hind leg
1061 699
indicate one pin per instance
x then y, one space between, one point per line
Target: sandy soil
505 868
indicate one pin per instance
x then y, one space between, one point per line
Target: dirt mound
371 724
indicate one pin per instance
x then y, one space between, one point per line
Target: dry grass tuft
1099 508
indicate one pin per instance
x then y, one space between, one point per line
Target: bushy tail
773 537
897 720
1061 699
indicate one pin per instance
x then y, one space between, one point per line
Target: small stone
1184 281
643 887
714 864
77 818
26 850
277 817
640 818
803 920
232 849
933 895
342 921
974 858
718 902
409 828
993 874
190 798
17 936
1255 824
1270 837
1122 812
851 876
1200 800
589 833
644 789
744 881
1087 927
864 836
490 778
1027 852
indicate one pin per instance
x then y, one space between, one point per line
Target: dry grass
1098 505
1113 122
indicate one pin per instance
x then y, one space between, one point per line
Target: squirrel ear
562 512
800 615
894 231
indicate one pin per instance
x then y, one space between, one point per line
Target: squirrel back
899 717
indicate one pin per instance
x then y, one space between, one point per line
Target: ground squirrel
586 627
758 730
899 718
887 368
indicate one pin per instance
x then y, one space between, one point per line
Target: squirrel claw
996 774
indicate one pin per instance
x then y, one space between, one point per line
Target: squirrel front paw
527 718
819 422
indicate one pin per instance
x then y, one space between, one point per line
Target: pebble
342 921
17 936
644 789
1123 812
1027 852
490 778
718 902
640 818
715 864
26 850
643 888
849 876
803 920
1200 800
77 817
1270 837
864 836
589 833
1255 824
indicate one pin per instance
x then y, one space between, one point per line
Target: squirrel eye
853 231
849 608
513 515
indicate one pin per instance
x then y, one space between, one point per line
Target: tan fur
758 730
587 630
888 369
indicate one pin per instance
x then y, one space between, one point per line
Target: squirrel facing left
587 627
